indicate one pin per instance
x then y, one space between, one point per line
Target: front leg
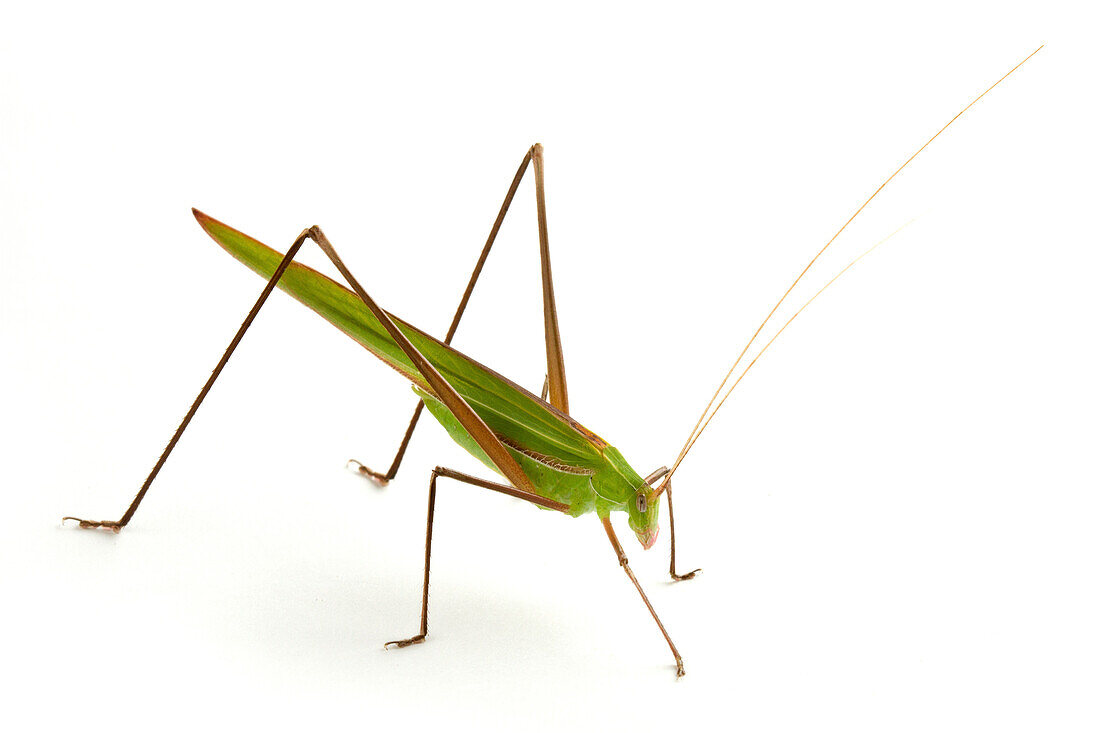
630 574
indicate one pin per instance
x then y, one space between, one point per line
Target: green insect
546 457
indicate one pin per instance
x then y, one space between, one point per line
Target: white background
896 515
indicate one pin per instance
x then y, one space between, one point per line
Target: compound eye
640 503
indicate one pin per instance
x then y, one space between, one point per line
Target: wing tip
219 230
205 221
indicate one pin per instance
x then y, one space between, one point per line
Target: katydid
544 455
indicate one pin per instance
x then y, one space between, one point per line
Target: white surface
897 515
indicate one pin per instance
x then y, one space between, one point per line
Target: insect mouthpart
648 538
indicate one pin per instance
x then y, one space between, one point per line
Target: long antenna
704 420
784 327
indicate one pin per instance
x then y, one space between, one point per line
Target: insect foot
115 527
406 642
679 668
685 576
374 476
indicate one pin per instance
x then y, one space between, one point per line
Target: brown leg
672 541
553 338
402 643
384 478
658 474
117 526
630 574
474 481
555 361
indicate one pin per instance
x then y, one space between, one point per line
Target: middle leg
653 477
438 472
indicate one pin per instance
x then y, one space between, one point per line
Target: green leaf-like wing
518 417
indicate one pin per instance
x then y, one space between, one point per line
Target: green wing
518 417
